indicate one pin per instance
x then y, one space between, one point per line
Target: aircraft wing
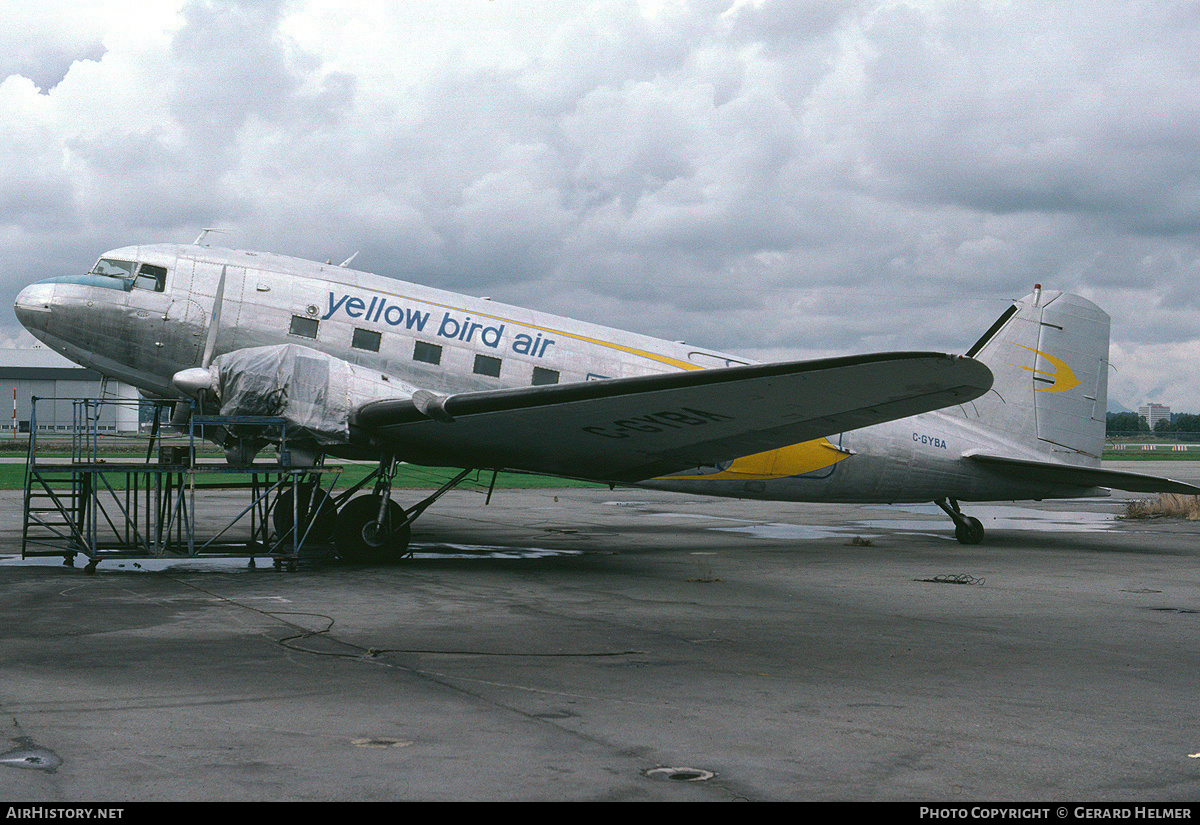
1070 475
631 429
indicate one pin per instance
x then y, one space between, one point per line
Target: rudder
1049 355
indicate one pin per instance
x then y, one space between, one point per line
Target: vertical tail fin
1049 355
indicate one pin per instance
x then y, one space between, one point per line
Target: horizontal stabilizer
1071 475
630 429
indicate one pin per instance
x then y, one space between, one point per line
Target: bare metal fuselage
144 337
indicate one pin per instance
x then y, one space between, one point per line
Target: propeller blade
214 322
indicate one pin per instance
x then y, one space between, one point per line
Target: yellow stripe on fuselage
794 460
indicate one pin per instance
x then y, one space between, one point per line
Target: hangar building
57 383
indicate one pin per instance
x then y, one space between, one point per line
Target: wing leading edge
631 429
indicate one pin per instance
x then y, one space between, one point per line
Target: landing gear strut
373 528
967 529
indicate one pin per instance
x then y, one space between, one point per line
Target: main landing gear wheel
318 509
361 539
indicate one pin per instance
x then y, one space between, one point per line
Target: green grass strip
408 477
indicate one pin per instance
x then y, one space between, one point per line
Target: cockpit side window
149 277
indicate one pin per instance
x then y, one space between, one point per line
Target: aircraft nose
33 305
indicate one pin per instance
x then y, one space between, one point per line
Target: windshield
114 268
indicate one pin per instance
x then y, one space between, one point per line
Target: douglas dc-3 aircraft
363 366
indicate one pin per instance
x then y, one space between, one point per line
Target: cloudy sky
777 178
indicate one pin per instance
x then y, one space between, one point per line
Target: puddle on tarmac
27 754
993 517
769 530
483 551
1001 517
801 532
420 550
146 565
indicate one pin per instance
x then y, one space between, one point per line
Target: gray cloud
770 177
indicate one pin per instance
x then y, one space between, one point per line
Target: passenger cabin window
153 278
542 376
366 339
427 353
304 327
487 365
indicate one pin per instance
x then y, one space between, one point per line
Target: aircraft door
158 318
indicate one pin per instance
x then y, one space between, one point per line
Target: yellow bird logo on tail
1063 378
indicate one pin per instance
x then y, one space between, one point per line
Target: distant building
1153 413
57 382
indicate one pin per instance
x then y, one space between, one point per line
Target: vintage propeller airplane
363 366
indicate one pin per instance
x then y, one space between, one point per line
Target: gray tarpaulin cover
314 392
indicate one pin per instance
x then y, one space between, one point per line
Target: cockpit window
114 268
135 276
150 277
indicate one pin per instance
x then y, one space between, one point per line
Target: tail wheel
359 539
969 532
967 529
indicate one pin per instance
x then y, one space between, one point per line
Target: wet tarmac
588 644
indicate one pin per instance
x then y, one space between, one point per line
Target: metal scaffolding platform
150 495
